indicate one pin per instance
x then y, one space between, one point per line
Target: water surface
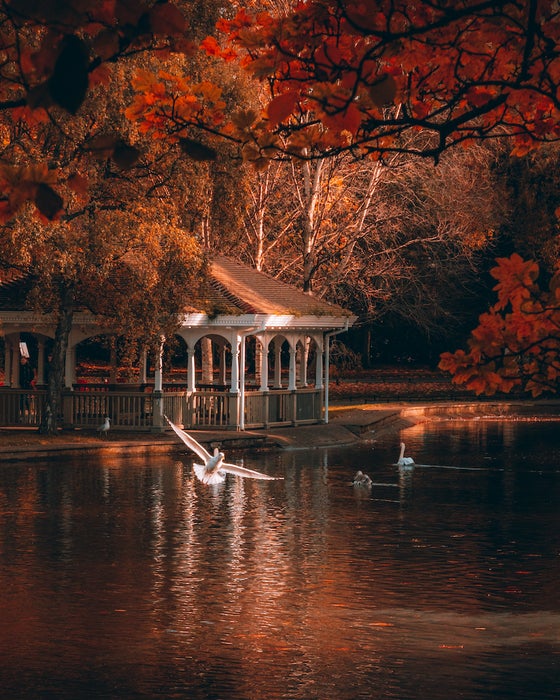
130 579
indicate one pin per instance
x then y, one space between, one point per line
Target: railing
127 410
20 407
283 407
136 410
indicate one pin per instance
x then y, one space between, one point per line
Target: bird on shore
404 461
361 479
214 469
104 428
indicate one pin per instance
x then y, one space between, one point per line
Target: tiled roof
239 289
14 288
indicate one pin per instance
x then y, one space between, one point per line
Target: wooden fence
134 410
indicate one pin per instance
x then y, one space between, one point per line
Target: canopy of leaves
461 70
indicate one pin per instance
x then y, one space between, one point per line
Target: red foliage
462 69
517 343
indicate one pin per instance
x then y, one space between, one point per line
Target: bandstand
258 358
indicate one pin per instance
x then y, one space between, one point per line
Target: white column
191 369
241 398
292 376
326 353
157 417
318 367
70 367
16 361
264 363
235 365
258 362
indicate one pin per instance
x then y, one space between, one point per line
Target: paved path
347 425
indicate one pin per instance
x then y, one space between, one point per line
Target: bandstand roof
235 293
236 289
14 288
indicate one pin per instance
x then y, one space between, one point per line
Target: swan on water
104 428
361 479
214 469
404 461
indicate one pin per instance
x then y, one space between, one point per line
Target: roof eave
268 321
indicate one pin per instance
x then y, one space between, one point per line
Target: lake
128 578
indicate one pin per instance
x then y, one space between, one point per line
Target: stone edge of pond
348 424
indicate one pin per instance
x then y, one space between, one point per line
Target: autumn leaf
466 65
47 201
281 107
44 59
243 119
210 46
69 82
167 19
515 277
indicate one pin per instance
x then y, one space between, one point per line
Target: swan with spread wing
214 469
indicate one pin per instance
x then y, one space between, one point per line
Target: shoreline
349 423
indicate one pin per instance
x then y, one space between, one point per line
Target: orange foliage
517 343
54 53
366 72
164 99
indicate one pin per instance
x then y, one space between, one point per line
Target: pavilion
260 358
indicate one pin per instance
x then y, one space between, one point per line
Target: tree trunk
52 415
309 269
207 361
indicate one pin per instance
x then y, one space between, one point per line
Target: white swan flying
214 469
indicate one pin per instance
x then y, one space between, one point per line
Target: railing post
266 409
67 399
234 413
157 415
189 413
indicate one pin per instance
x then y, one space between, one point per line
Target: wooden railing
136 410
19 407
